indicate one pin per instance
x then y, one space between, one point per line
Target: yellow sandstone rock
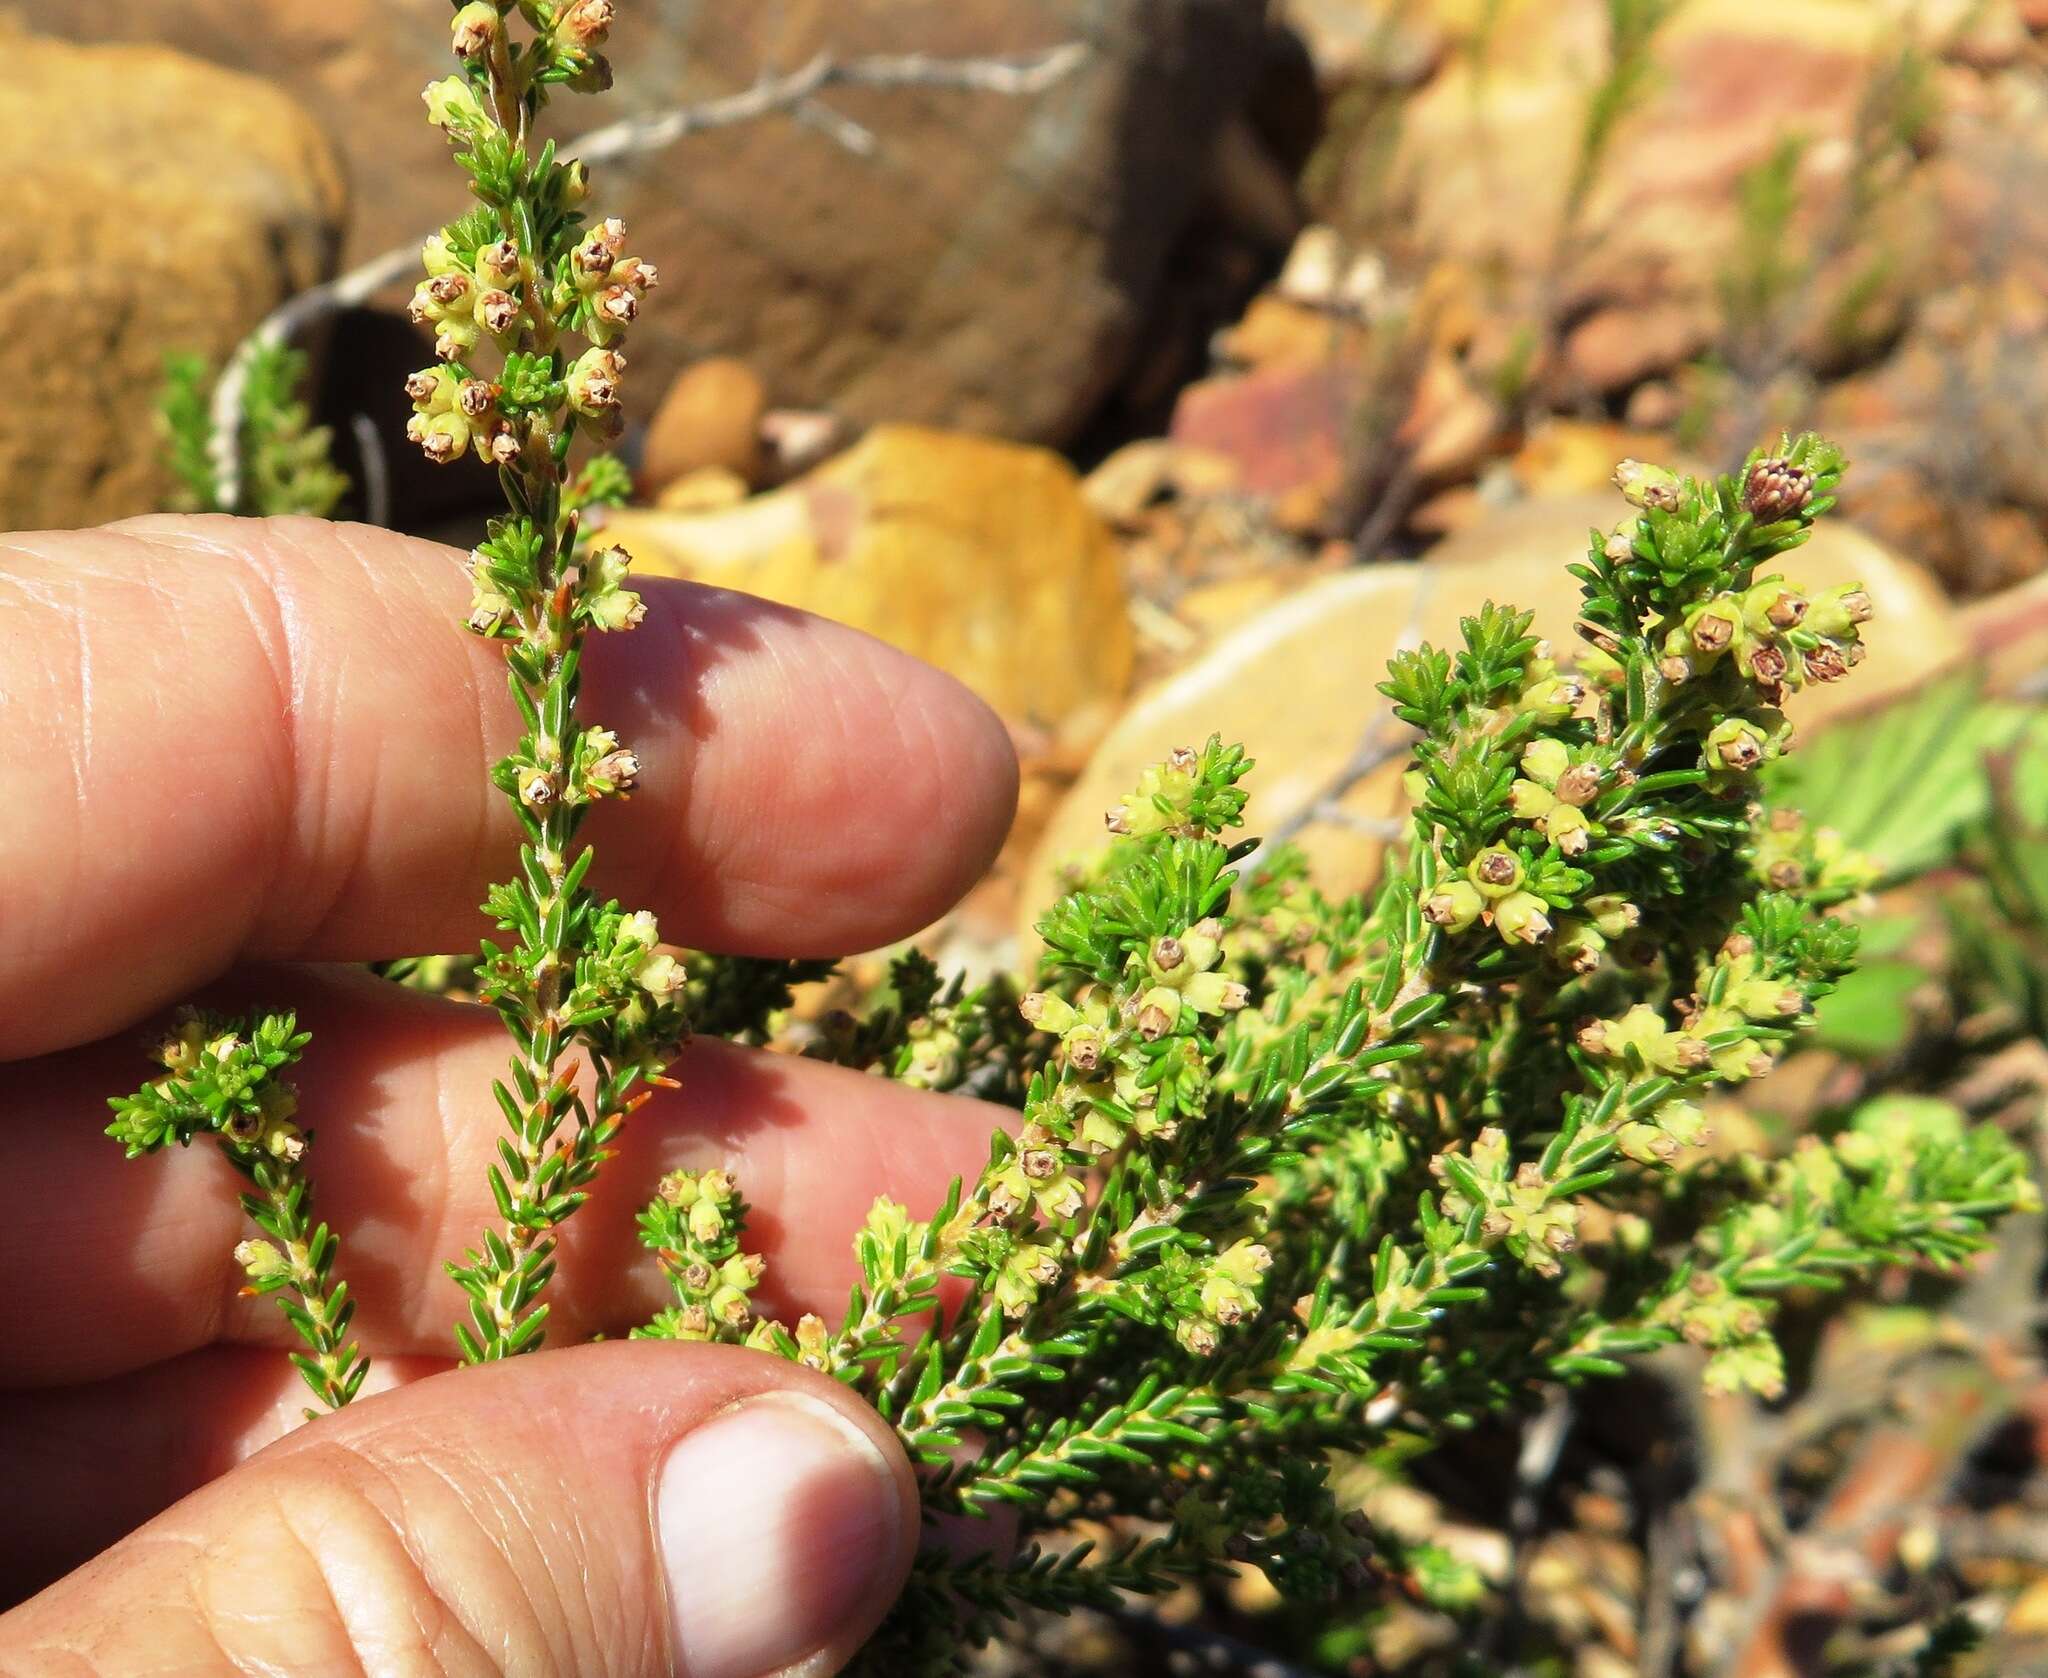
980 557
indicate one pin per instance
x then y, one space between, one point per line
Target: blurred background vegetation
1176 394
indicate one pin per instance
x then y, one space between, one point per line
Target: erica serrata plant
1294 1176
1284 1178
530 303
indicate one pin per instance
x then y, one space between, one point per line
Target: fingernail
778 1521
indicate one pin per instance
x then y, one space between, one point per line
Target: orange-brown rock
156 203
711 417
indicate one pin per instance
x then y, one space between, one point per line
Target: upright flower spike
577 975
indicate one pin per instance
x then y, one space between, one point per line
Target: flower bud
1580 946
1553 698
661 976
1775 489
497 312
1839 610
1521 918
1579 785
426 385
442 437
1773 606
1713 624
586 23
1824 663
1735 744
1454 906
1566 828
593 382
1646 486
1496 871
1046 1011
1766 664
1530 801
452 106
474 27
262 1262
1612 913
1543 761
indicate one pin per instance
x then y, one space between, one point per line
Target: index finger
267 739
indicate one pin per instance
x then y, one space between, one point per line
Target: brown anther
448 288
1826 663
1579 785
1153 1022
1039 1164
1768 665
1084 1054
1741 752
638 273
1692 1053
1182 760
476 397
1857 604
440 447
618 305
1592 1037
421 386
1674 669
1786 875
1499 868
1737 945
1711 632
1788 611
1168 953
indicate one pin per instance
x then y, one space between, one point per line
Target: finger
131 1258
87 1465
242 738
631 1510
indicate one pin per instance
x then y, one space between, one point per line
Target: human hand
231 744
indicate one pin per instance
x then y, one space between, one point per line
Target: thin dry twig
1015 76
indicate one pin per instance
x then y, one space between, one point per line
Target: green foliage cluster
221 1078
286 461
1294 1176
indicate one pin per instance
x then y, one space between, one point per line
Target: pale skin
241 755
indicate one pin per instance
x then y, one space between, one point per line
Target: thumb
612 1511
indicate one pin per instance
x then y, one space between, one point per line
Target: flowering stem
505 284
